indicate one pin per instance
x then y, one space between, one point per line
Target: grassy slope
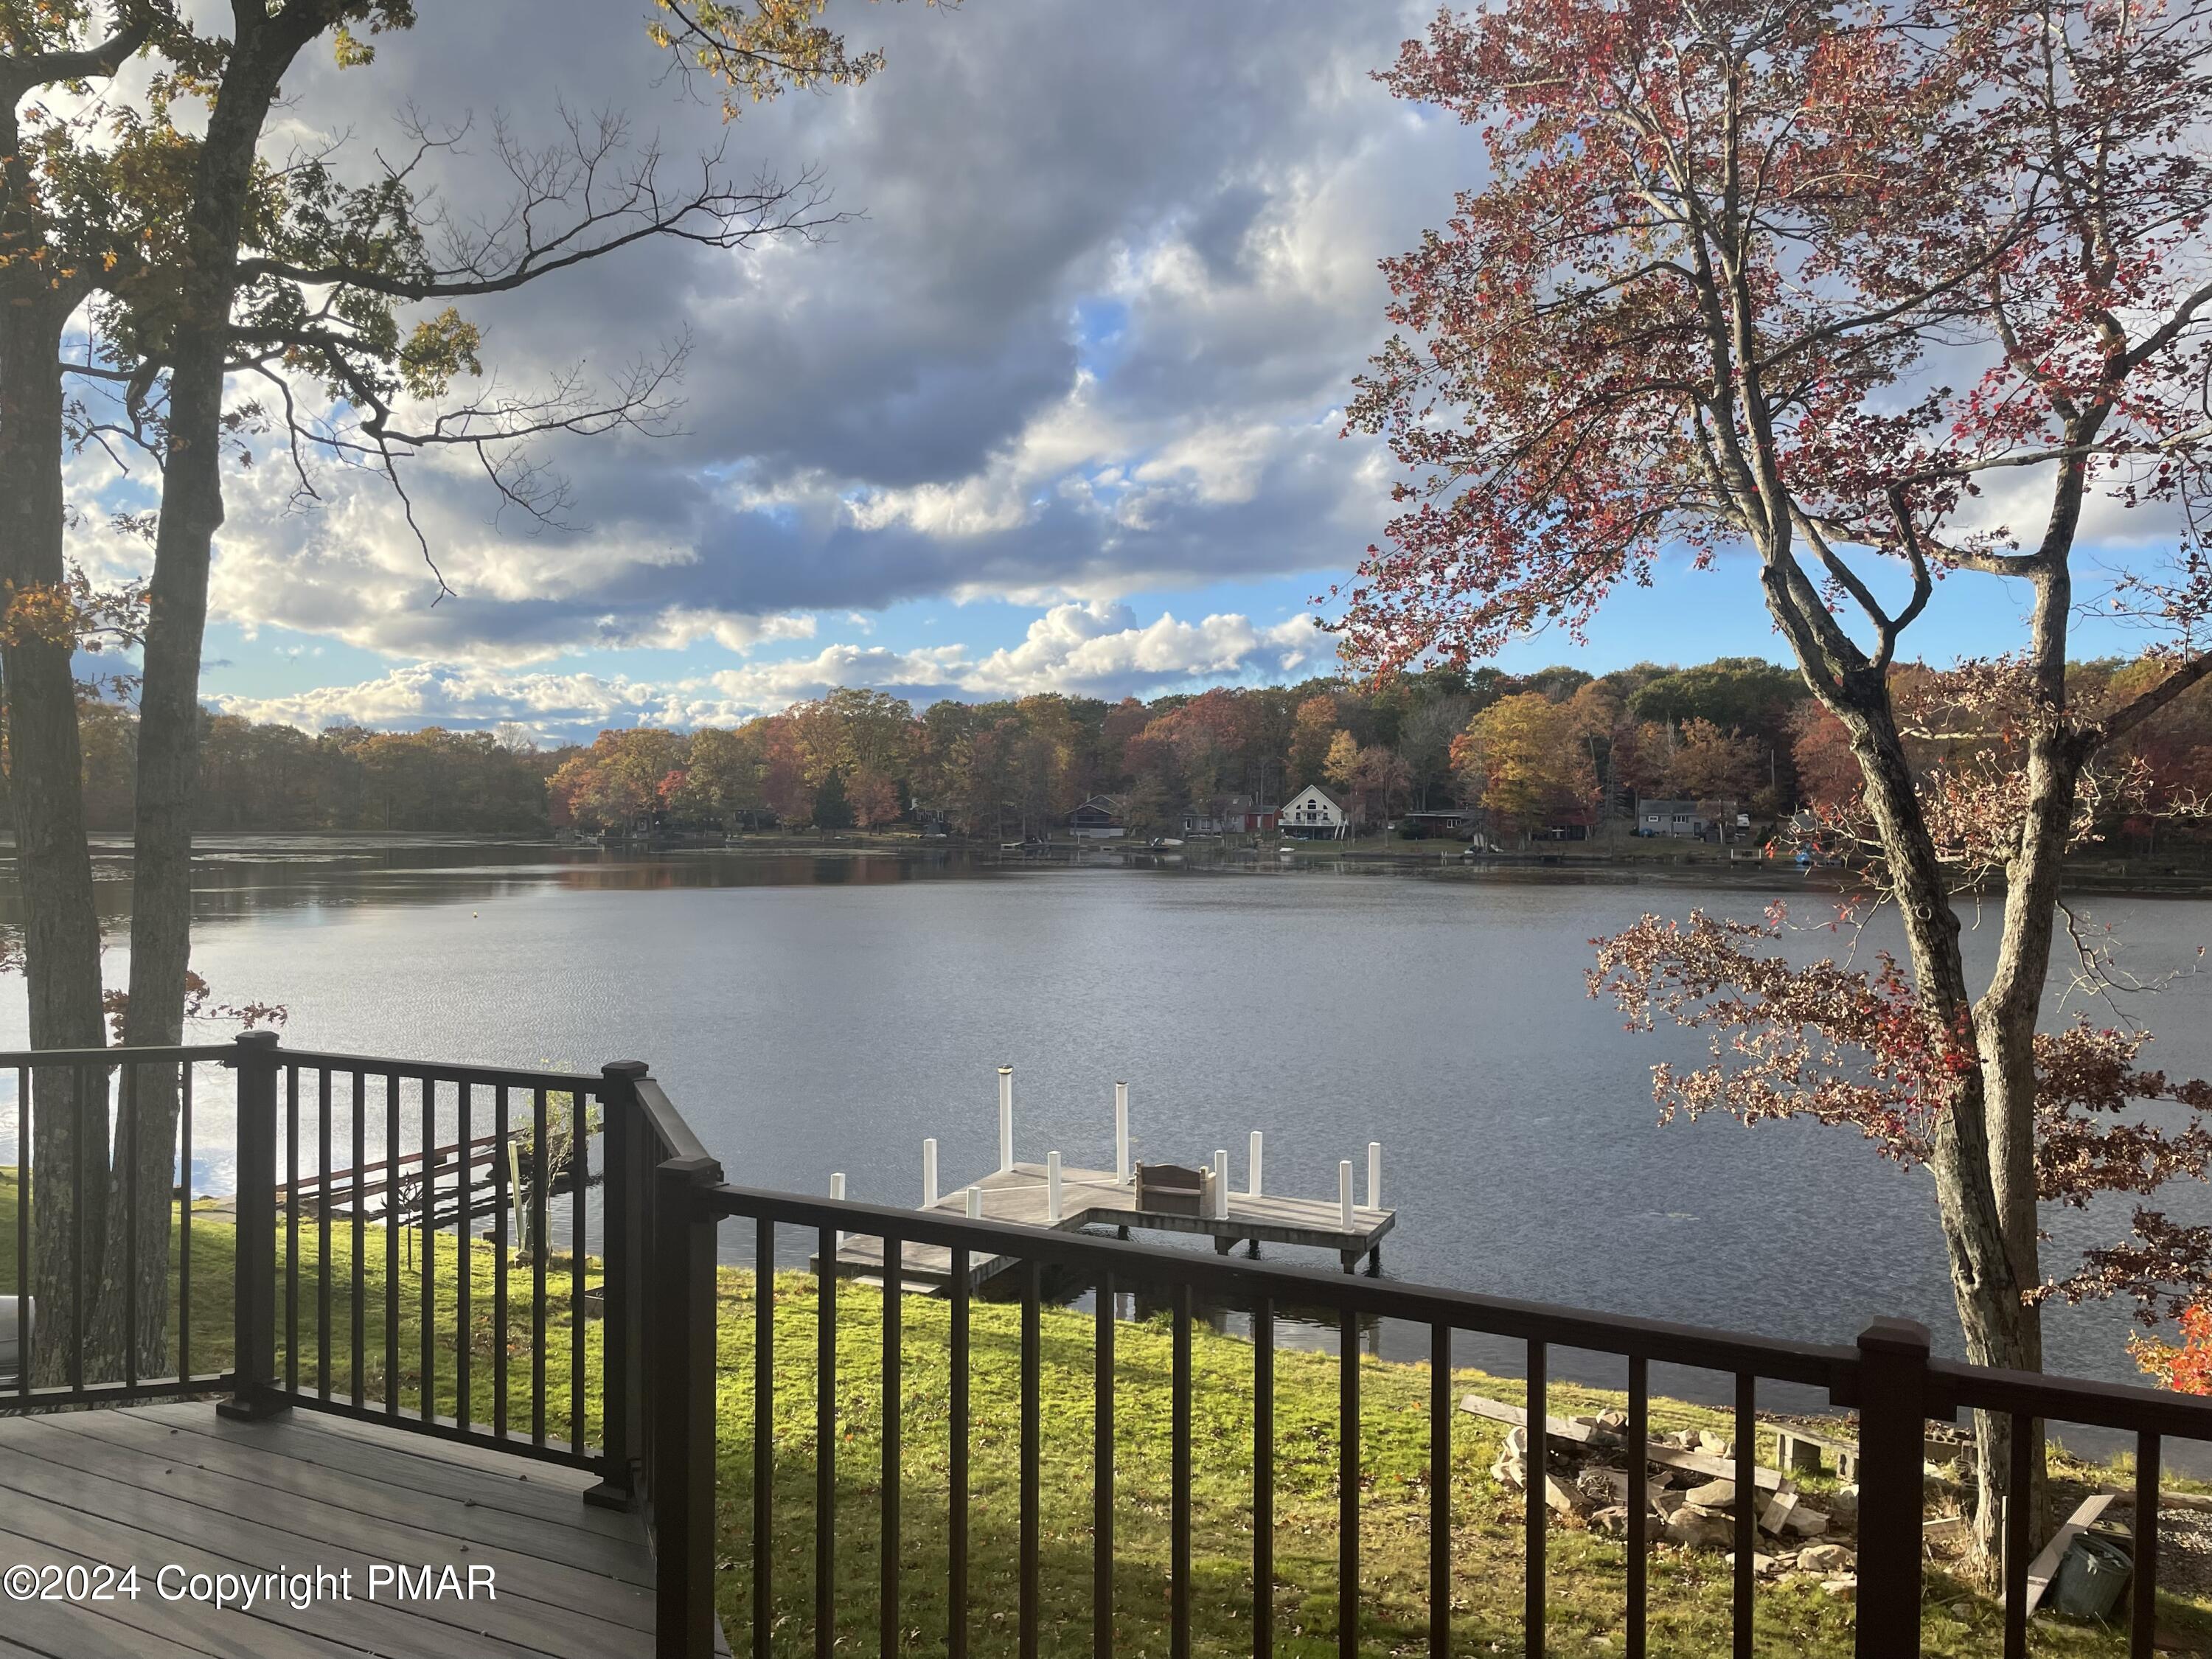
1689 1592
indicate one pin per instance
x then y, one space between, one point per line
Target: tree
1520 757
1313 731
1711 764
1341 769
831 809
1703 301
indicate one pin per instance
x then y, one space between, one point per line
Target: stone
1517 1444
1715 1445
1612 1523
1832 1559
1714 1495
1615 1422
1807 1523
1761 1564
1698 1529
1668 1502
1510 1471
1778 1512
1845 1588
1564 1496
1605 1485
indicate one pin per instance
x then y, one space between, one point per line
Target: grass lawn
1689 1592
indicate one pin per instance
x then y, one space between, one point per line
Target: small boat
1160 843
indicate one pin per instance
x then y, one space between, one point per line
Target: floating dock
1055 1196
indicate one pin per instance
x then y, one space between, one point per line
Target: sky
1057 405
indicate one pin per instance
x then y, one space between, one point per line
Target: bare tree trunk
61 933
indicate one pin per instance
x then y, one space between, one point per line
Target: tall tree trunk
1985 1284
168 722
53 860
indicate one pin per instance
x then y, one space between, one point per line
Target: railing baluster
540 1215
127 1078
427 1131
1639 1502
956 1633
580 1160
1347 1487
25 1331
464 1255
1102 1473
1532 1602
80 1101
825 1449
391 1222
1747 1508
894 1421
357 1275
323 1233
292 1228
2142 1631
1179 1494
1032 1455
2019 1534
764 1432
1440 1471
502 1248
1263 1477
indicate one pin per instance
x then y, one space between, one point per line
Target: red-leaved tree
1708 305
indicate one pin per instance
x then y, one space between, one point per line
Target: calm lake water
812 1013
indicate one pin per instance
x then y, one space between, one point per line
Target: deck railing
354 1173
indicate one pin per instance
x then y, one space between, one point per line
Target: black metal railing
1887 1376
394 1254
405 1241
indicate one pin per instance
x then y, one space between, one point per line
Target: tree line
1524 751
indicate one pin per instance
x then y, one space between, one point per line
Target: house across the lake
1230 815
1099 818
1671 817
1313 814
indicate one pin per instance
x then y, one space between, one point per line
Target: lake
812 1012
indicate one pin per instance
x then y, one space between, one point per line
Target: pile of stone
1587 1481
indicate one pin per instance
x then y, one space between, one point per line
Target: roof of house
1313 789
1681 809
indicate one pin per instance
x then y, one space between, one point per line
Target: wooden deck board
176 1484
1094 1198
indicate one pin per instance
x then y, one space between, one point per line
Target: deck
1094 1198
176 1485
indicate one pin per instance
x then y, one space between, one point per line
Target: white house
1313 815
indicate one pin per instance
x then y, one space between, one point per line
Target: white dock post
837 1196
1252 1167
1344 1191
1374 1175
1121 1134
1005 1119
1221 1186
929 1174
1052 1189
975 1203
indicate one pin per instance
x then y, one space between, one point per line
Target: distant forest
1556 746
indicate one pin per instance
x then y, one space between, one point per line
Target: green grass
1689 1593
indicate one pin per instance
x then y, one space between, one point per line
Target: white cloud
1095 649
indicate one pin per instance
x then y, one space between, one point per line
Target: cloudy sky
1056 407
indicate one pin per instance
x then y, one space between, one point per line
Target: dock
1090 1198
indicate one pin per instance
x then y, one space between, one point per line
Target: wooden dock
1093 1197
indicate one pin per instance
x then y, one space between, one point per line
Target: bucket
2091 1576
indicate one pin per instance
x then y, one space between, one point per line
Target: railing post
254 1286
1892 1441
621 1330
683 1410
